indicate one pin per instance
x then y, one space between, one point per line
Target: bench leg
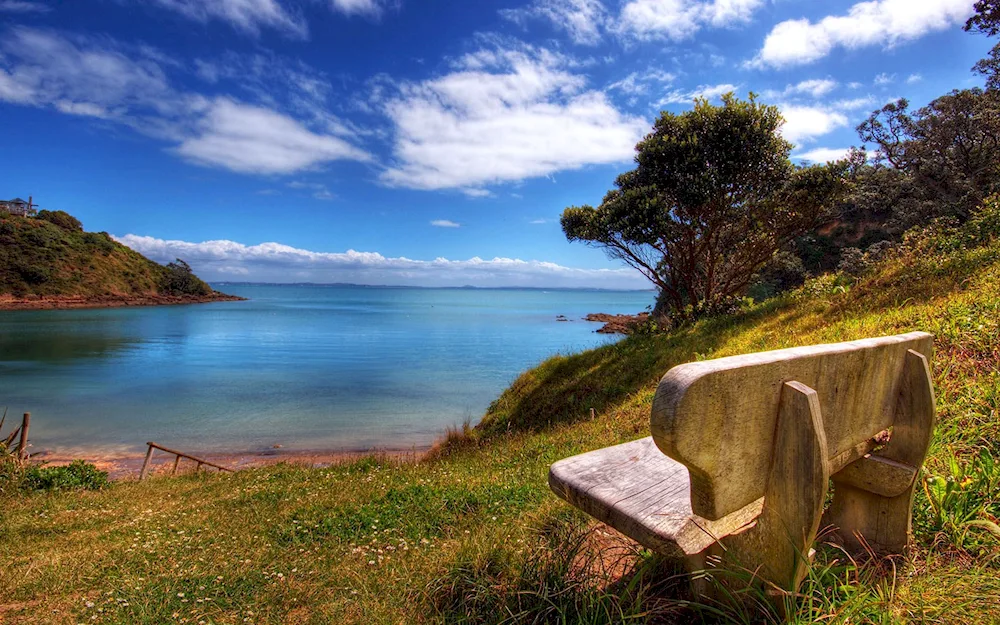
873 497
777 548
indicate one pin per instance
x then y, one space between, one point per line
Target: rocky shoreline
617 324
60 302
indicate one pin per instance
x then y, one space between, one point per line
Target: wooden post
793 503
145 463
22 446
177 461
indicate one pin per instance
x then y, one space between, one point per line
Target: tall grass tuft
571 575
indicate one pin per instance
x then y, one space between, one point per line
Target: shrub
78 475
180 280
62 219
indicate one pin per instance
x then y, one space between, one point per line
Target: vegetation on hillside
473 535
51 255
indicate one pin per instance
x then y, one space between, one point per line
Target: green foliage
949 149
963 504
178 279
62 219
782 273
713 197
78 475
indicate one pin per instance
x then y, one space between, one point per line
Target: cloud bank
274 262
883 23
504 115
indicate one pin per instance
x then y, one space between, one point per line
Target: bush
180 280
62 219
984 226
78 475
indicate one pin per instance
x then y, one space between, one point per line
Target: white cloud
274 262
102 79
638 83
358 7
503 115
876 22
252 139
247 16
445 223
681 19
884 79
583 20
83 109
41 68
804 123
709 92
913 79
822 155
817 87
23 6
855 104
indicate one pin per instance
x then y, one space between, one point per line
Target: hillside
472 534
49 261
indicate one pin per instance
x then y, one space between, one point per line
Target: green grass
473 535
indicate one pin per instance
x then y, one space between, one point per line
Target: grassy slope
40 258
474 534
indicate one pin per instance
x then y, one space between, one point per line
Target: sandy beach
128 466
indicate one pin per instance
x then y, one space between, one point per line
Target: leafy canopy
711 200
950 148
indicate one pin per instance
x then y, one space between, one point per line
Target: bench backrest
717 417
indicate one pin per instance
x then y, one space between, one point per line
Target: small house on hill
17 206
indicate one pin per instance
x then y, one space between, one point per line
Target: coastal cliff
48 261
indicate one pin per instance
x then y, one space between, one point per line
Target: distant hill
48 261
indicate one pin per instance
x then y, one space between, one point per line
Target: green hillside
51 256
472 534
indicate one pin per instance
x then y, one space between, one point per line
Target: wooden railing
177 458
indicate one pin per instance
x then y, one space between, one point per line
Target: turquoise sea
305 367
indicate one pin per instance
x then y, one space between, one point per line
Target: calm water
307 367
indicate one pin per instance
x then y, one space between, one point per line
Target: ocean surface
305 367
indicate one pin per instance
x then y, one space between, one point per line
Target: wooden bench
743 450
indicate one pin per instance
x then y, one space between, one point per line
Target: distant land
467 287
48 261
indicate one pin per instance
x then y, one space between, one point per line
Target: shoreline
617 324
126 466
66 302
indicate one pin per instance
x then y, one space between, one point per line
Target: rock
617 324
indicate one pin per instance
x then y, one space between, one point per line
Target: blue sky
430 142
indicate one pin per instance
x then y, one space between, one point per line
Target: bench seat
645 495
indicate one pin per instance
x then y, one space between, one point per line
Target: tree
178 279
712 199
950 148
986 20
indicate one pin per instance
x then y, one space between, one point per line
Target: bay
307 367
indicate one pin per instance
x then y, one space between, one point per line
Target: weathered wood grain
717 417
645 495
870 510
777 547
